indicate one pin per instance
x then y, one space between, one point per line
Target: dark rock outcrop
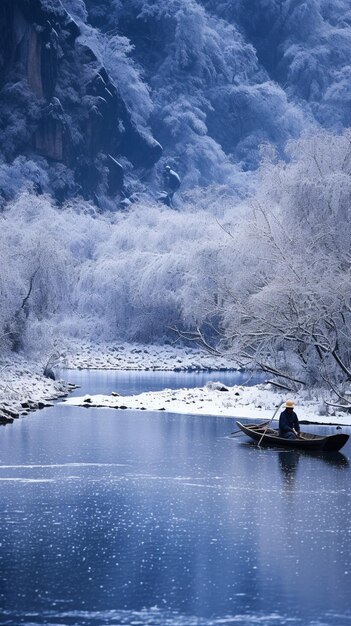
139 147
49 372
51 138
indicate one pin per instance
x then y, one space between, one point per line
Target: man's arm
296 423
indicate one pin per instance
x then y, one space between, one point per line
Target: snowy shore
256 403
133 356
23 387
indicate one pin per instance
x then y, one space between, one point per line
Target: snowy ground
257 402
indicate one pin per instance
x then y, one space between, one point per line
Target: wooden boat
308 441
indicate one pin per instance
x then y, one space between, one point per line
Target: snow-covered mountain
97 96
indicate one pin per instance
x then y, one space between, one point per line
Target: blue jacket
288 421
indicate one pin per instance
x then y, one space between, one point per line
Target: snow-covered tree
285 305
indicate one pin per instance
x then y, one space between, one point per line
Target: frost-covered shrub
19 113
76 8
22 174
114 52
41 247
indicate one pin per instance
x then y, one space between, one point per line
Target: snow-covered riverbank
256 402
133 356
23 386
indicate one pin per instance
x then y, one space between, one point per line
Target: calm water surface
132 382
115 517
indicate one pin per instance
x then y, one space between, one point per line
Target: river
112 517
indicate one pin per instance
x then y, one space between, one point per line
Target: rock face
51 138
79 117
30 43
6 38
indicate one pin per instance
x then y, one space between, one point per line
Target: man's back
288 422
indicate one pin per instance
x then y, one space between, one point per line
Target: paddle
270 421
237 432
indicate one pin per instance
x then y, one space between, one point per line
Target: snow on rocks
23 388
133 356
256 402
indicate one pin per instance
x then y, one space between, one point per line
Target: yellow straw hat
289 404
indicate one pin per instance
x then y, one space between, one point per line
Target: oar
237 432
270 421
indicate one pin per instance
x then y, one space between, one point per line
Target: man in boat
289 426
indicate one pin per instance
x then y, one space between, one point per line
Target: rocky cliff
59 103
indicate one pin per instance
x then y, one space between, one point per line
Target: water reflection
133 382
337 459
288 463
289 459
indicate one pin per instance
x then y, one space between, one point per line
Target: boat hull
270 437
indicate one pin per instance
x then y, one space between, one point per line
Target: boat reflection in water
289 459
